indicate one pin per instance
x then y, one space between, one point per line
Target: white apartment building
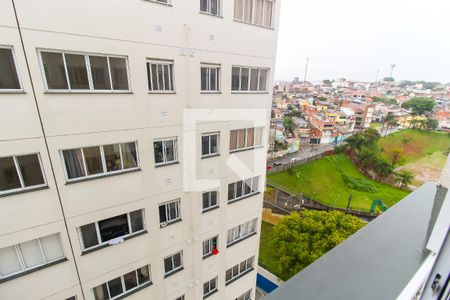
132 147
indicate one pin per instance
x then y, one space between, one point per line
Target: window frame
105 172
163 2
257 91
162 62
210 291
106 243
20 89
244 195
253 14
208 9
208 67
237 232
122 281
86 55
210 246
24 268
252 146
175 151
23 188
173 270
209 134
240 272
211 207
166 209
245 296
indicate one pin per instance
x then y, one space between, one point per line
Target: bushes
359 184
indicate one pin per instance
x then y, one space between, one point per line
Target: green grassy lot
331 180
415 143
268 258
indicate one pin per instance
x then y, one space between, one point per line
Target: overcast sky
354 38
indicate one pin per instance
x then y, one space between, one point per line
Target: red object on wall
215 251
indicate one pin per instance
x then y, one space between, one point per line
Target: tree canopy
301 238
419 105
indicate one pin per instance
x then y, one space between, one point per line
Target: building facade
132 147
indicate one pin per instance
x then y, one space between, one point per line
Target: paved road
304 152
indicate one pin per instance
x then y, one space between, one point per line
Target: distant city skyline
354 39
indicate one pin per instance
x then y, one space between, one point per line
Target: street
303 153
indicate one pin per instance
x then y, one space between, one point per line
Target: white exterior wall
72 120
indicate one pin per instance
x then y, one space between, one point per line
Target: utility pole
306 69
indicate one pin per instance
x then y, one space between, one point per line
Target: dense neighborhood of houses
304 113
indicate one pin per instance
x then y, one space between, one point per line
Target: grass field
267 254
331 180
416 144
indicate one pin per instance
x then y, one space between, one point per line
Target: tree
356 142
390 79
301 238
371 136
322 98
419 105
396 156
367 159
326 81
383 169
287 123
404 178
431 124
389 118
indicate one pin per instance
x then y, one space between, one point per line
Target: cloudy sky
355 38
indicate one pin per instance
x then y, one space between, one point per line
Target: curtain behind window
74 163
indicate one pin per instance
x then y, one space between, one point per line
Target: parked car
276 164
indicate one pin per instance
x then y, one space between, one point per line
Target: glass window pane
101 292
9 262
205 145
242 267
52 247
213 80
250 137
113 227
214 7
235 270
249 262
254 80
235 74
242 133
258 12
89 235
129 155
9 179
166 78
74 163
263 80
93 160
206 288
212 284
228 275
8 72
30 168
213 198
238 189
162 213
100 73
119 73
170 151
152 79
115 287
231 191
172 207
158 149
248 10
168 266
112 157
268 13
171 77
130 280
143 275
233 139
238 9
76 69
54 70
244 78
31 253
204 78
214 144
137 222
159 70
258 137
204 5
248 186
177 260
255 184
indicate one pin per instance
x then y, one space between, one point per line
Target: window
210 78
105 232
245 296
169 212
29 255
180 298
100 160
210 144
209 287
165 151
123 285
173 263
246 138
69 71
160 76
240 232
210 200
209 245
239 270
21 173
243 188
210 7
9 79
249 79
258 12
